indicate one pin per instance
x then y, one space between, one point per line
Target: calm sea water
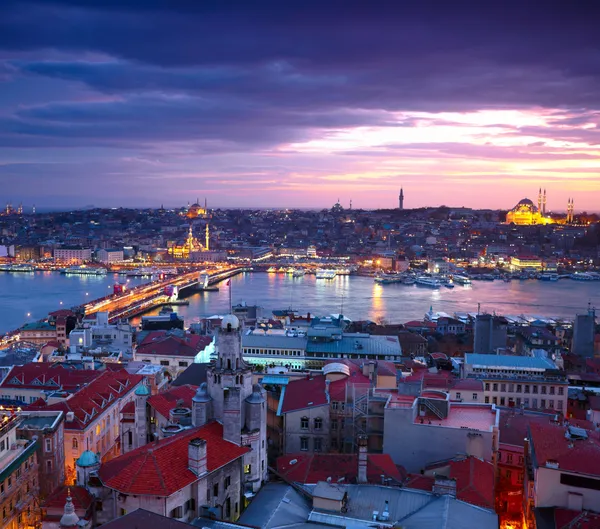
356 297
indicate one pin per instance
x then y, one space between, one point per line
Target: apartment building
518 381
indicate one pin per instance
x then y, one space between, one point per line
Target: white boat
17 268
84 271
299 272
425 281
581 276
461 280
141 272
326 274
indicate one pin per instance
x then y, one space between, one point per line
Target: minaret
401 199
540 200
33 210
544 204
207 241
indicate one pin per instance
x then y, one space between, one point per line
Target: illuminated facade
189 247
196 210
526 213
528 262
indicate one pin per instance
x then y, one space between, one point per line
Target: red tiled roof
161 468
565 519
312 468
39 375
468 384
164 402
421 324
474 481
550 444
163 343
82 499
128 408
305 393
91 401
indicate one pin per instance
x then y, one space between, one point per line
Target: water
357 297
27 297
361 298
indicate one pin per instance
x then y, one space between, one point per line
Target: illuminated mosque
191 246
196 210
525 213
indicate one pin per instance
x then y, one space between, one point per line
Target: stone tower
401 199
230 398
140 437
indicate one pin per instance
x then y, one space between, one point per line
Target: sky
296 104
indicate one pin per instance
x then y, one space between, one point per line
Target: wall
549 492
293 430
415 445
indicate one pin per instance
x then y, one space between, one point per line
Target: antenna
342 305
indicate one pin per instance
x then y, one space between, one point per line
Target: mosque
191 246
196 210
525 213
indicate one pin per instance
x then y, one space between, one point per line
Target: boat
426 281
141 272
447 284
17 268
299 272
165 310
272 270
549 277
326 274
408 280
84 271
281 270
581 276
461 280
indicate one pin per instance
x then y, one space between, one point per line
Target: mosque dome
525 205
232 320
87 459
142 390
202 394
256 397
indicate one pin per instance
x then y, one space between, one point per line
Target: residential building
490 334
584 333
421 430
466 390
533 338
447 325
204 466
519 381
562 470
92 416
175 351
35 380
48 428
109 255
96 334
19 481
73 254
38 332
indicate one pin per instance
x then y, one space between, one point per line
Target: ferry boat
326 274
17 268
272 270
461 280
299 272
549 277
431 282
387 279
141 272
84 271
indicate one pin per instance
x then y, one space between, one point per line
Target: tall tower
235 402
540 200
401 199
544 204
207 239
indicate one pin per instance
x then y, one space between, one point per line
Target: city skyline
135 104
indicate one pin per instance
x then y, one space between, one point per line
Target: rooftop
277 341
304 393
163 343
44 376
145 519
161 468
311 468
358 344
474 416
164 402
513 426
508 361
551 446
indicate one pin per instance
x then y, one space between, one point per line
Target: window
487 400
508 474
502 401
164 362
534 388
215 490
334 424
551 403
544 390
48 445
458 394
247 469
526 388
304 423
560 404
183 364
520 477
318 444
227 482
543 403
521 460
495 400
503 387
304 443
511 387
534 403
551 390
519 388
318 423
495 386
177 512
561 390
49 465
487 386
474 396
509 458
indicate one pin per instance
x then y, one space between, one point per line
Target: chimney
362 459
197 456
